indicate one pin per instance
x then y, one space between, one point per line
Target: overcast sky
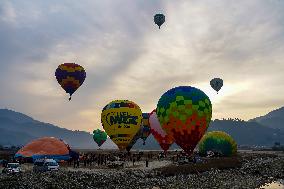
126 56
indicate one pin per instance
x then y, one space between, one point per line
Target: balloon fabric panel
164 140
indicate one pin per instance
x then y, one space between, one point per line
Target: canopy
47 147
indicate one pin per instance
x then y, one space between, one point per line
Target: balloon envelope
121 119
135 138
164 140
218 141
146 127
99 136
216 84
159 19
184 113
70 76
46 147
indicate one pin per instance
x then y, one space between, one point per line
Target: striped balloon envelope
70 76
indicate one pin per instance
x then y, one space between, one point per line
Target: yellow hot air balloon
121 119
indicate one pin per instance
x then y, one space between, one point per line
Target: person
133 160
147 162
74 163
78 162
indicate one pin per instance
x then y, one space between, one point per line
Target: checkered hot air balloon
70 76
185 113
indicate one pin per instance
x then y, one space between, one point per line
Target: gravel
256 170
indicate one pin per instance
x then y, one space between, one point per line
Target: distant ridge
18 129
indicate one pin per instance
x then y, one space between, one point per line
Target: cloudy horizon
126 56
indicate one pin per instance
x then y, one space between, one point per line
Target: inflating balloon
70 76
121 119
216 84
99 137
184 113
164 140
159 19
218 142
146 127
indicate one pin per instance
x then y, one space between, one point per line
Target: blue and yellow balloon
70 76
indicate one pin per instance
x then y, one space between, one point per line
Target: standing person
85 160
147 162
133 160
74 162
98 159
78 162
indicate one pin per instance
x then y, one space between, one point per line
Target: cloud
127 57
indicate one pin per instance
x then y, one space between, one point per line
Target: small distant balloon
216 84
159 19
70 76
99 136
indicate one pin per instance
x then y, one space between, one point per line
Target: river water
274 185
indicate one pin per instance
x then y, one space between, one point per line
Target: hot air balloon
159 19
70 76
146 127
99 136
135 138
216 84
184 113
218 142
121 119
164 140
47 147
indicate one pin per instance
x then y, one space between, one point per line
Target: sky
126 56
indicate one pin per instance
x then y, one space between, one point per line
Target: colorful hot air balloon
70 76
216 84
99 136
159 134
146 127
184 113
218 142
121 120
159 19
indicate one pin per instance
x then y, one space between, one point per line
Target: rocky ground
256 169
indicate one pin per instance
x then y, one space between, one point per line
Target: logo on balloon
121 118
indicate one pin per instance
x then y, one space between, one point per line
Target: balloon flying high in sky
70 76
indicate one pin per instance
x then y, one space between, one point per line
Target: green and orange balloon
185 113
218 142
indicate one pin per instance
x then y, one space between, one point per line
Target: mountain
19 129
248 133
274 119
